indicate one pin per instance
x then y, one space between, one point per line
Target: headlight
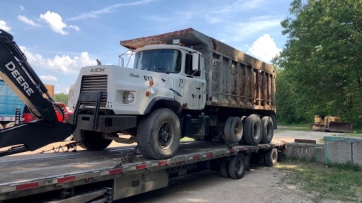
128 97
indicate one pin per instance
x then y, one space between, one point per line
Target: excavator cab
22 79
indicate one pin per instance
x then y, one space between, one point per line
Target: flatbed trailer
119 172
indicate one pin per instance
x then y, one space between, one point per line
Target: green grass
186 139
338 182
298 127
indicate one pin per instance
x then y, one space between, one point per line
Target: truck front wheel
91 140
158 134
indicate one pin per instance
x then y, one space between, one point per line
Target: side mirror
195 62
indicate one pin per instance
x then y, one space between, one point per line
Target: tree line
320 68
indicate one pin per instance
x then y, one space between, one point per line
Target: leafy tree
321 61
61 97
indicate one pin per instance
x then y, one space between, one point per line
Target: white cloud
63 64
48 78
74 27
237 6
213 19
55 22
264 48
22 8
25 20
4 26
255 25
109 9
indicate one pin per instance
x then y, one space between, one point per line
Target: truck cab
164 76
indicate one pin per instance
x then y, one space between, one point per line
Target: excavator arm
21 78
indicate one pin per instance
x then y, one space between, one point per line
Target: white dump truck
183 83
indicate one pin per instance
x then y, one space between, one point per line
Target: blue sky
60 37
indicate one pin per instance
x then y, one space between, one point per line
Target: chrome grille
92 83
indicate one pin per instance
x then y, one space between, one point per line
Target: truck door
194 85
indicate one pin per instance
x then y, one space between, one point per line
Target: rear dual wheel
252 130
233 130
267 130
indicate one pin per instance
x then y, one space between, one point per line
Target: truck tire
236 167
223 168
91 140
9 125
159 134
252 130
233 130
267 130
271 157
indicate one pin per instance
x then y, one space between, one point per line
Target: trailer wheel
271 157
260 158
233 130
236 167
91 140
223 170
252 130
267 130
159 134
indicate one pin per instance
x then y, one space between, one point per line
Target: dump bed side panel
234 79
239 80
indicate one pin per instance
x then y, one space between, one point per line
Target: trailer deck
21 175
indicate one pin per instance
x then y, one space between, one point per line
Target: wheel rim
274 155
165 135
239 166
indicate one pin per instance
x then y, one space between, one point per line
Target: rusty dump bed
234 79
32 174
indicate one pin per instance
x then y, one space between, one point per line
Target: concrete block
357 153
310 152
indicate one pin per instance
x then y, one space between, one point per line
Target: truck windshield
159 60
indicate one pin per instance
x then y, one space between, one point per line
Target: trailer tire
271 157
236 166
247 162
223 168
252 130
91 140
159 134
233 130
267 130
260 158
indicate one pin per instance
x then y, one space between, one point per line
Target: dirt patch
261 184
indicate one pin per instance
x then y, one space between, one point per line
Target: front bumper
106 123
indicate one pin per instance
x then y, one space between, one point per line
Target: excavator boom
21 78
